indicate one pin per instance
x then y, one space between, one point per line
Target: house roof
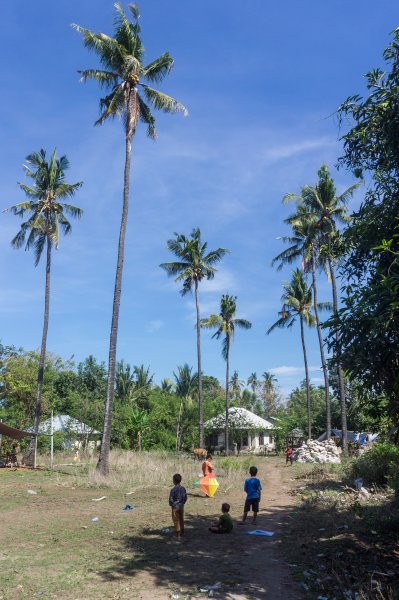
66 424
13 432
240 418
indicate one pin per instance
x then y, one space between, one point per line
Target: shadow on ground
246 566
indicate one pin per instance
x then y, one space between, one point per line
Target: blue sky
260 80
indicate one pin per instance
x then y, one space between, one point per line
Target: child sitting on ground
253 488
177 500
225 522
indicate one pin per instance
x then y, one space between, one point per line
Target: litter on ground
259 532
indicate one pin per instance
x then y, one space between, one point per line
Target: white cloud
155 326
223 282
288 150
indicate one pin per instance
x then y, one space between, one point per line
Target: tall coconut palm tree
47 216
305 244
186 384
194 265
297 302
235 385
225 324
124 71
270 394
253 382
328 210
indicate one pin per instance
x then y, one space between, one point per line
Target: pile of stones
318 452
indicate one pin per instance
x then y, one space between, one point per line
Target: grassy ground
52 548
340 545
336 545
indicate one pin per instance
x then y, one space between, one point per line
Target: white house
76 432
249 431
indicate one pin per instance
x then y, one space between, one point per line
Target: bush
379 465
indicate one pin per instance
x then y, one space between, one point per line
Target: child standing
288 456
207 466
177 500
225 523
253 489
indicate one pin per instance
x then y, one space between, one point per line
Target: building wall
254 440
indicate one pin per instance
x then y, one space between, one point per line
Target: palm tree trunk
305 358
42 360
200 400
341 381
322 355
226 429
178 424
103 461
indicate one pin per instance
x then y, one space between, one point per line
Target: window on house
261 439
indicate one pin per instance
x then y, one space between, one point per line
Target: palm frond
158 69
73 210
104 78
29 191
162 101
242 323
39 246
280 323
128 33
174 268
211 322
324 305
216 256
134 9
110 52
147 118
112 105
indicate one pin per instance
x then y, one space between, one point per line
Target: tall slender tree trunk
322 355
103 461
341 380
305 359
200 399
178 424
226 428
42 360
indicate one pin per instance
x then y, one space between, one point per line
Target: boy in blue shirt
253 488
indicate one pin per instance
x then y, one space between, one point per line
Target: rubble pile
318 452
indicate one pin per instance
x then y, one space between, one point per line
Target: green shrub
379 465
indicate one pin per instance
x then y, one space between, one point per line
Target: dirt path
249 567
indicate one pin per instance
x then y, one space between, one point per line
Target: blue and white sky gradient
261 80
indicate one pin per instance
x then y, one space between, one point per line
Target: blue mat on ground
259 532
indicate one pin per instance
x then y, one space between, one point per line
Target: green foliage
369 318
294 415
379 465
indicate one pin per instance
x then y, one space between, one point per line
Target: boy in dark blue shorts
253 488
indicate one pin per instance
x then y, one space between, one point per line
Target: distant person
224 523
253 488
207 466
288 456
177 500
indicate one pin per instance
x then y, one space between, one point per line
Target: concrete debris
318 452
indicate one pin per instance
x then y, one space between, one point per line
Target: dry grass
133 470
